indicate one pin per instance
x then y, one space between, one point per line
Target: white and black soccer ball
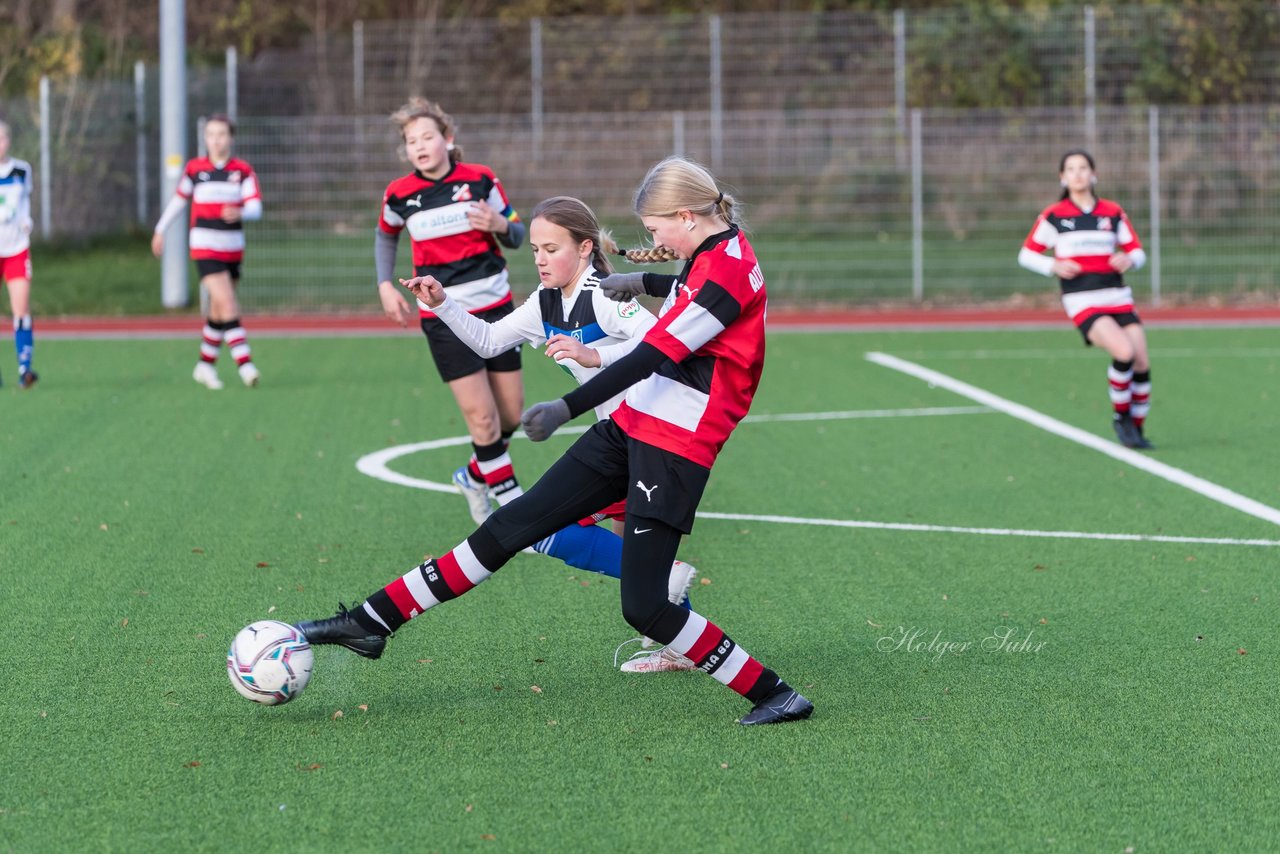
269 662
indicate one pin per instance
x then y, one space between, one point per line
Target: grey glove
542 419
621 287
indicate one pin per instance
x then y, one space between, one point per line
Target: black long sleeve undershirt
658 284
621 375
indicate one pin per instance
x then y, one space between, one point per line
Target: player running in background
457 213
688 383
1093 246
584 331
223 191
15 252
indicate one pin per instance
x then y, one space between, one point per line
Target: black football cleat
342 629
784 704
28 379
1126 431
1144 444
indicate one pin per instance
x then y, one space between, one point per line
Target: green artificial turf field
144 520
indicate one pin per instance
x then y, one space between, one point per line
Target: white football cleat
477 495
249 374
659 661
207 375
678 584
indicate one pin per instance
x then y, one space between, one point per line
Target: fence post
233 79
201 150
357 64
917 207
535 85
900 82
717 96
677 133
46 163
140 137
1153 172
1090 79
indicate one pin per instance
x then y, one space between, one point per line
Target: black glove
621 287
542 419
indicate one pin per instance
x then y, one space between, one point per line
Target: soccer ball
269 662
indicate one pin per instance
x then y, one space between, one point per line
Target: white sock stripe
374 614
506 496
239 350
732 665
1141 388
1120 396
209 350
693 629
418 589
23 322
494 464
1118 376
470 564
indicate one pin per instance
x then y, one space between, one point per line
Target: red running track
166 326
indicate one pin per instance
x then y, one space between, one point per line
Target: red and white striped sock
237 342
432 582
210 343
1141 389
715 653
497 472
1120 379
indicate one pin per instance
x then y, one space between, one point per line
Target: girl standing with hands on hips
456 214
1094 245
688 383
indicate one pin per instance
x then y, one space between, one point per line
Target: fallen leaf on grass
468 808
874 625
364 707
724 764
262 564
705 582
488 837
1043 621
535 689
314 766
1242 651
102 527
271 610
192 764
124 622
336 715
197 551
425 660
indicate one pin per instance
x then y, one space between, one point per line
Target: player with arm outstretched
688 384
224 194
584 331
1094 245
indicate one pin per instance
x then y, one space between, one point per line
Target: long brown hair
580 221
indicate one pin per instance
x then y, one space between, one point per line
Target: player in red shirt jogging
456 214
223 192
1094 244
688 383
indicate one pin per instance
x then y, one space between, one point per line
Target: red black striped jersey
1089 239
434 211
712 329
210 188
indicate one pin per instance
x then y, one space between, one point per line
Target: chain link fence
867 172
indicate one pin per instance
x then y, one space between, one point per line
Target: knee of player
642 614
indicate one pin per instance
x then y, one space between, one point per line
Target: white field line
988 532
1081 353
377 464
1177 476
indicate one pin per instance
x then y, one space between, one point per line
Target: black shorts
209 266
1124 318
660 485
455 360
